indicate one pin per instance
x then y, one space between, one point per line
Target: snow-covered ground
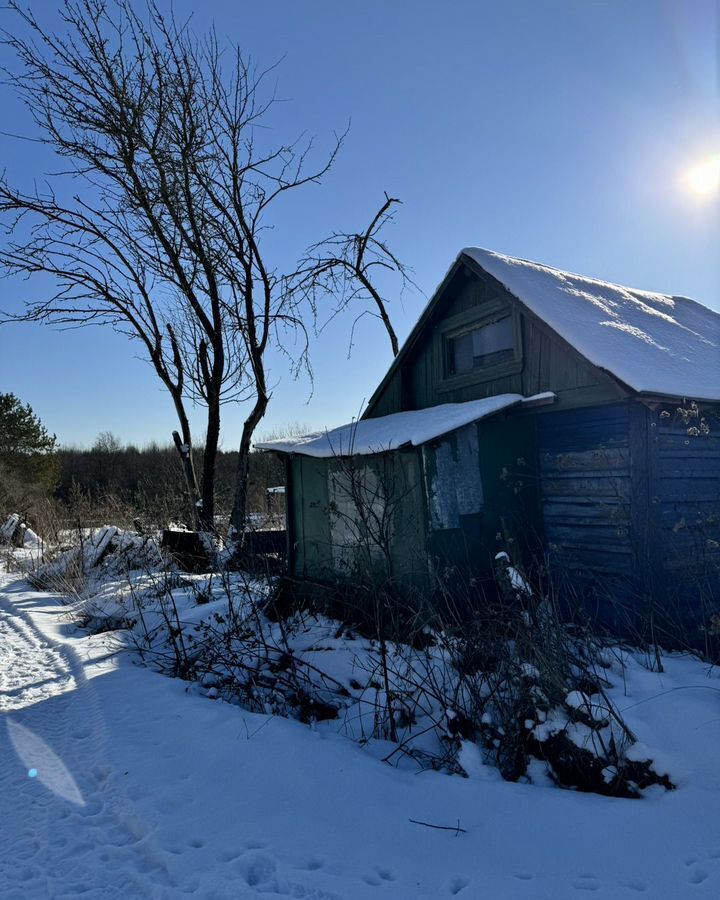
118 782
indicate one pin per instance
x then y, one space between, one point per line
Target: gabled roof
655 344
412 428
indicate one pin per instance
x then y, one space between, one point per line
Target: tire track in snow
50 846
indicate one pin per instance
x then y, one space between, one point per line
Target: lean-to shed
569 420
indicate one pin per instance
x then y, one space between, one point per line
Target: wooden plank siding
685 497
586 488
631 514
311 555
620 499
315 530
544 362
620 493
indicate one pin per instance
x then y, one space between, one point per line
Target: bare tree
343 267
107 442
155 224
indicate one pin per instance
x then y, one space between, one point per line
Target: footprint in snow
698 876
313 863
457 884
384 873
257 869
586 883
101 774
381 874
260 872
633 884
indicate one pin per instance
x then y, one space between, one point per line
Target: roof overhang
411 428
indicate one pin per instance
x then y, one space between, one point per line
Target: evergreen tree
27 449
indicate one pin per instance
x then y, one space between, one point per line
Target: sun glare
703 179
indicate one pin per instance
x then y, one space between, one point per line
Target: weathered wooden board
597 460
586 489
613 484
685 500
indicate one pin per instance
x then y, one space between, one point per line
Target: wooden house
572 422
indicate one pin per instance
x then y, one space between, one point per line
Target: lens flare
48 768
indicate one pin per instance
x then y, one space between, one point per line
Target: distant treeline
151 476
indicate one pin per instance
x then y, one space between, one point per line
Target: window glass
461 353
485 346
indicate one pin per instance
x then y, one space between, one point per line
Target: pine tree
27 449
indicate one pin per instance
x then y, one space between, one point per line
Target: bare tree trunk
239 510
212 440
184 448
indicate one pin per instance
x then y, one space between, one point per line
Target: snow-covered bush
511 688
533 692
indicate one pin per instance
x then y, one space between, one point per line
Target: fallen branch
456 828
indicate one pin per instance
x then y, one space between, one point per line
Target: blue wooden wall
630 501
585 490
684 485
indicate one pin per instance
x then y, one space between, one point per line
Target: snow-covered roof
415 427
653 343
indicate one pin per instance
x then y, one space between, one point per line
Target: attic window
481 347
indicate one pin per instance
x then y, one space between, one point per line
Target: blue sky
556 131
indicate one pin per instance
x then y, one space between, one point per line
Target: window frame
470 321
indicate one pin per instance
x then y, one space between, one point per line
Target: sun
703 179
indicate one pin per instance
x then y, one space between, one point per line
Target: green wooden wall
593 491
330 498
451 505
620 496
310 551
544 362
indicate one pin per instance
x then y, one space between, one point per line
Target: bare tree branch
341 267
154 225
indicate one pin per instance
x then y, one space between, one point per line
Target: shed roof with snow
412 428
654 343
646 342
